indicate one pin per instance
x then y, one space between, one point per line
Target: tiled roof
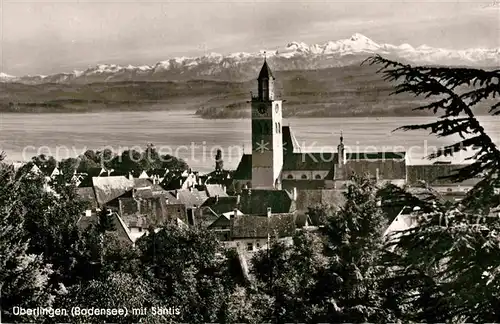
121 228
87 194
248 226
141 183
221 205
109 188
431 174
190 198
256 201
388 169
315 198
215 190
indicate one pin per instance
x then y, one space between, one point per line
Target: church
277 162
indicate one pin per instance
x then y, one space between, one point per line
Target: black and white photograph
236 161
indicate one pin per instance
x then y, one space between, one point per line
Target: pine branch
457 114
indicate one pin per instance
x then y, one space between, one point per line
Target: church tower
267 140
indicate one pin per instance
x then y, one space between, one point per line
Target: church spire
266 82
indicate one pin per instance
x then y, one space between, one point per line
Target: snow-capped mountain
293 56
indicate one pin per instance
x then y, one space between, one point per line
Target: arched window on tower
317 177
279 127
290 176
303 177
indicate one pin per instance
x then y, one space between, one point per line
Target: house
257 201
435 176
191 199
180 180
157 175
215 207
214 190
405 220
253 232
119 228
87 195
222 225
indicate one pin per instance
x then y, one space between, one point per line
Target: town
270 194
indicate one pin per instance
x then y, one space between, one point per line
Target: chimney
216 198
223 188
180 182
294 194
269 211
238 200
249 191
190 189
377 175
176 194
235 213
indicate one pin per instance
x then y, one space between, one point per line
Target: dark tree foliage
44 162
444 268
50 222
186 267
23 276
456 93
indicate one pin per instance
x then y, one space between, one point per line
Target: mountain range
317 81
243 66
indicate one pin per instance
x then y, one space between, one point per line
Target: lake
196 140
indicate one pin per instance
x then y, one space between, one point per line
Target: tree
114 292
445 268
288 276
186 268
50 222
350 290
457 93
24 277
44 162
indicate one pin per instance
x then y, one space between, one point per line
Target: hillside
342 91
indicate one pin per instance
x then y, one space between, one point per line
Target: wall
311 175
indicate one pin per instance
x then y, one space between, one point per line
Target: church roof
265 72
244 169
290 143
309 161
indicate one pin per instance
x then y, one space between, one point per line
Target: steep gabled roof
109 188
244 169
265 71
290 143
87 194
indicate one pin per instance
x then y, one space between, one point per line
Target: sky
44 37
